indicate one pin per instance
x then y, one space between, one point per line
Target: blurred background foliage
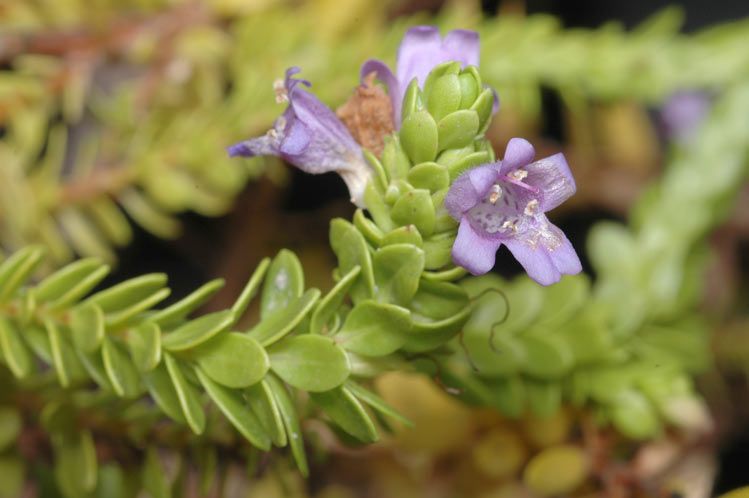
114 116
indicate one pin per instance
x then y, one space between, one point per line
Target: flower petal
296 138
552 176
468 189
259 146
384 74
462 45
419 52
518 153
473 252
545 252
535 261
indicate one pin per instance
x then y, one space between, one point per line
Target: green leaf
377 207
93 364
155 480
346 411
458 129
563 300
444 95
128 293
376 402
263 404
79 288
17 355
63 280
189 399
415 208
544 398
368 228
374 329
483 106
233 360
418 136
397 270
634 416
410 99
329 304
175 313
403 235
10 427
428 334
66 363
437 250
87 327
509 396
466 162
394 159
291 422
283 320
493 356
283 283
120 369
249 291
238 413
198 331
470 86
75 463
310 362
351 250
120 317
547 357
430 176
17 268
144 342
438 300
162 391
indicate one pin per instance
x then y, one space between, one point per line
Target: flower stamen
531 208
282 94
495 193
518 175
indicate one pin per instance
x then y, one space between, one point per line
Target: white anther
495 193
511 224
531 208
518 174
282 95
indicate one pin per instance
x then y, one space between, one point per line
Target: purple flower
310 136
420 51
683 113
504 203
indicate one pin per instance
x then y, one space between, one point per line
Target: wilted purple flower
420 51
310 136
504 203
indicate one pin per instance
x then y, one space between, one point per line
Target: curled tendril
461 341
437 377
496 324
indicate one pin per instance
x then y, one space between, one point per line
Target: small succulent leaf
458 129
509 396
233 360
284 283
470 86
310 362
466 162
172 315
439 300
10 426
483 106
161 389
634 416
437 249
564 299
411 99
234 408
368 228
144 343
397 269
197 331
120 317
127 293
544 398
75 467
347 412
419 137
403 235
547 357
154 476
444 96
377 207
87 327
394 158
430 176
93 364
79 288
430 334
375 402
415 208
60 282
329 304
16 354
263 404
283 321
374 329
250 289
291 422
189 399
17 268
66 364
351 250
120 369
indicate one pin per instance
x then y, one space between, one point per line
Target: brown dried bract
368 114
